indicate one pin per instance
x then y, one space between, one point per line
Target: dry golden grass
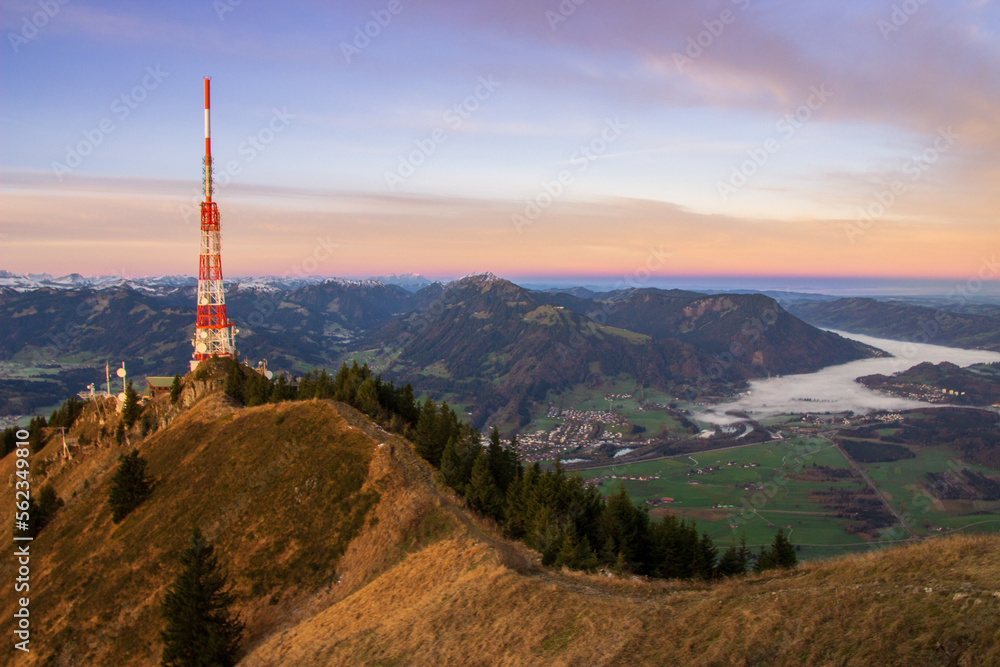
280 489
452 603
344 549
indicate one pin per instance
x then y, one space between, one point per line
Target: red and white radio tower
213 334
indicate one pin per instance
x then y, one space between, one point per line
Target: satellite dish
268 374
201 347
203 334
121 396
120 372
236 331
204 301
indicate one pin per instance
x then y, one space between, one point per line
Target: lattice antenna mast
213 335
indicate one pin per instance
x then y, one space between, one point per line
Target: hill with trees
942 383
897 320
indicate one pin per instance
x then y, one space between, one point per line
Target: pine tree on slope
201 631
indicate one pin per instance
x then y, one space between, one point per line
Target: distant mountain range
164 284
906 321
480 340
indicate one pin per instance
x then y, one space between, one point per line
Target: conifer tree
175 389
452 471
708 558
131 409
129 487
482 492
746 556
783 551
426 435
625 524
233 386
780 555
201 630
504 461
735 560
35 438
48 504
9 441
282 390
730 563
367 398
120 432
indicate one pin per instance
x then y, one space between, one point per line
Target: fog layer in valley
834 389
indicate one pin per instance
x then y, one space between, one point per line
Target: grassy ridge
280 489
453 603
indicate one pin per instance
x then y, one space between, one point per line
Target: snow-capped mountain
33 281
159 285
411 282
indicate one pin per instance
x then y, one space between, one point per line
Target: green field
901 482
785 498
757 513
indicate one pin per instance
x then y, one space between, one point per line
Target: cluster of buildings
922 392
568 438
588 416
627 478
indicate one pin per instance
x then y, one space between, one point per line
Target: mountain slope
453 603
343 549
507 347
246 477
900 321
758 334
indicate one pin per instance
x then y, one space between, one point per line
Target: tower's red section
213 331
211 315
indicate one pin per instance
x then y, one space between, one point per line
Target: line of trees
8 440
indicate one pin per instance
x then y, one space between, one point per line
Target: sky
531 138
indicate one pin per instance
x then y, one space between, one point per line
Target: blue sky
744 138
